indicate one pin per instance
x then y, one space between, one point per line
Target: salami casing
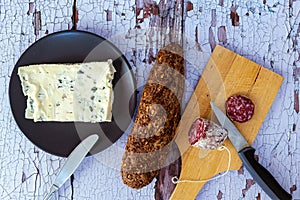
206 134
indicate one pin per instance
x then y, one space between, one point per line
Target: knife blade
260 174
72 162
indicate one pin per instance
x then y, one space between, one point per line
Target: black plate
60 138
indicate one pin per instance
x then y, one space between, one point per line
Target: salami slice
206 134
239 108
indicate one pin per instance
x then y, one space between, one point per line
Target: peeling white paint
266 36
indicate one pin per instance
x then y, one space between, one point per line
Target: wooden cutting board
226 74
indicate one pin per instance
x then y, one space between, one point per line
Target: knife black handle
262 176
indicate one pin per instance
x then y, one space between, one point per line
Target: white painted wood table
264 31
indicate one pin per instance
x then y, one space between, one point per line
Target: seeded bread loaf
156 121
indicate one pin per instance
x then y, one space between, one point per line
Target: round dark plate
60 138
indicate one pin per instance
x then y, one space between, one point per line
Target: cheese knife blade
72 162
261 175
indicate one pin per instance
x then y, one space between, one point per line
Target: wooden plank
225 74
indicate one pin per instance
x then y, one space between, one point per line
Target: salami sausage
156 121
239 108
206 134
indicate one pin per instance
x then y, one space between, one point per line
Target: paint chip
220 195
30 8
294 127
213 18
197 39
151 58
222 34
108 15
293 189
221 2
23 177
37 22
189 6
258 196
296 101
74 16
234 16
249 183
291 2
211 38
241 171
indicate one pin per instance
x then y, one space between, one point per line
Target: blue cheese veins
73 92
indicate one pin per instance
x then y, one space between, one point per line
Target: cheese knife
261 175
72 162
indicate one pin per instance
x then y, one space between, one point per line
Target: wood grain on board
226 74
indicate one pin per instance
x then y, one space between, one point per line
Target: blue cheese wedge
68 92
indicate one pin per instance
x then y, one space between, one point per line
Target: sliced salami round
239 108
206 134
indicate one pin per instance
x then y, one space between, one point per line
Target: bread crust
157 118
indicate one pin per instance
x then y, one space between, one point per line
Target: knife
261 175
72 162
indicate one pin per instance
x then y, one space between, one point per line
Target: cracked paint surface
264 31
267 34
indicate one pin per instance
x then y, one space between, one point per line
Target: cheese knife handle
262 176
